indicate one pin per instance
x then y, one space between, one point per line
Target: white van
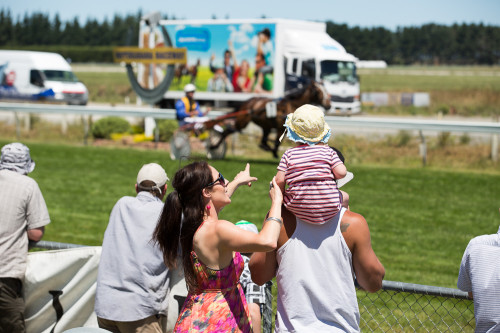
30 75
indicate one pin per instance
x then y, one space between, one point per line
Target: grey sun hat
16 157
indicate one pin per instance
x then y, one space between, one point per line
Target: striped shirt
312 193
480 274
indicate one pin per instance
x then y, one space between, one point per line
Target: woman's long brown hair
181 216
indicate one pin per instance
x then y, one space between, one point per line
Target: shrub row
105 127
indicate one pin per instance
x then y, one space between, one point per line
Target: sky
363 13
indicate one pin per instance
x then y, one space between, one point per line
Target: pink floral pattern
219 304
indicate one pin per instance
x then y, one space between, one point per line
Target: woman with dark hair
209 247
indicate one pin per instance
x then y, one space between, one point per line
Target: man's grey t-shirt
22 208
132 281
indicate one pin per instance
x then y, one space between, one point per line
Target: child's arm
280 180
339 171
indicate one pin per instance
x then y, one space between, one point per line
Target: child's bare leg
345 199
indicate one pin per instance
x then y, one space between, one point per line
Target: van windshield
338 71
64 76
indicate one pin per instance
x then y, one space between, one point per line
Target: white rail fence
420 125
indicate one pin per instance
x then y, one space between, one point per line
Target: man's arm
180 110
367 267
36 234
263 266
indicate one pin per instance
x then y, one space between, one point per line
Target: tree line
459 44
431 44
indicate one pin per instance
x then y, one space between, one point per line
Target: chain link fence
397 307
403 307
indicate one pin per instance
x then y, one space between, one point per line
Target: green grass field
420 219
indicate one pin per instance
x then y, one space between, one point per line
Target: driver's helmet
189 88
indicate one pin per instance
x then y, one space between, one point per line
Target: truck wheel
179 146
217 152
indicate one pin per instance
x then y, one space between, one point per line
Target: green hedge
75 53
104 127
166 128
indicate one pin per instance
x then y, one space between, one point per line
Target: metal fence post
494 147
85 129
18 126
423 148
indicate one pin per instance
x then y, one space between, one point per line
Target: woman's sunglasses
219 179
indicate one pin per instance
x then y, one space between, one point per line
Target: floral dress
219 304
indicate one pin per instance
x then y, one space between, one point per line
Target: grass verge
420 219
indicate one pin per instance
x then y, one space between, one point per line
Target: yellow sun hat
307 124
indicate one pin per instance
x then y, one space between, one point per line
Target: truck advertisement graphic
223 58
232 60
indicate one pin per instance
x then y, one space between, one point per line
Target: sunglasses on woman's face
219 179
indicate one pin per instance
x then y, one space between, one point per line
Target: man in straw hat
24 216
132 282
311 169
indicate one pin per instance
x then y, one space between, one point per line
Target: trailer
232 60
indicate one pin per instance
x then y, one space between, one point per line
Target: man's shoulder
353 218
488 240
354 228
9 176
125 200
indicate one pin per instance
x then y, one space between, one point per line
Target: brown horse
311 93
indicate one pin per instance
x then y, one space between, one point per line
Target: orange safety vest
189 107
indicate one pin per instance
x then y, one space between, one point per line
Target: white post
18 125
149 126
64 124
27 122
423 148
494 143
494 147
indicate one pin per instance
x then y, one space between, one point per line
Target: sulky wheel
180 146
214 151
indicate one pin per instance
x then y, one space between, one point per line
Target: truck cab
314 54
339 78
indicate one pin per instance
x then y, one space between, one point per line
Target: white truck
30 75
291 51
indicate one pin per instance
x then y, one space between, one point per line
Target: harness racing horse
311 93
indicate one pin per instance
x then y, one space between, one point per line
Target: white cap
153 172
189 88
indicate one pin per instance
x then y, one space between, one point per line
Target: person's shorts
11 305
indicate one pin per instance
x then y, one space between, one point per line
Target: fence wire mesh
404 307
397 307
